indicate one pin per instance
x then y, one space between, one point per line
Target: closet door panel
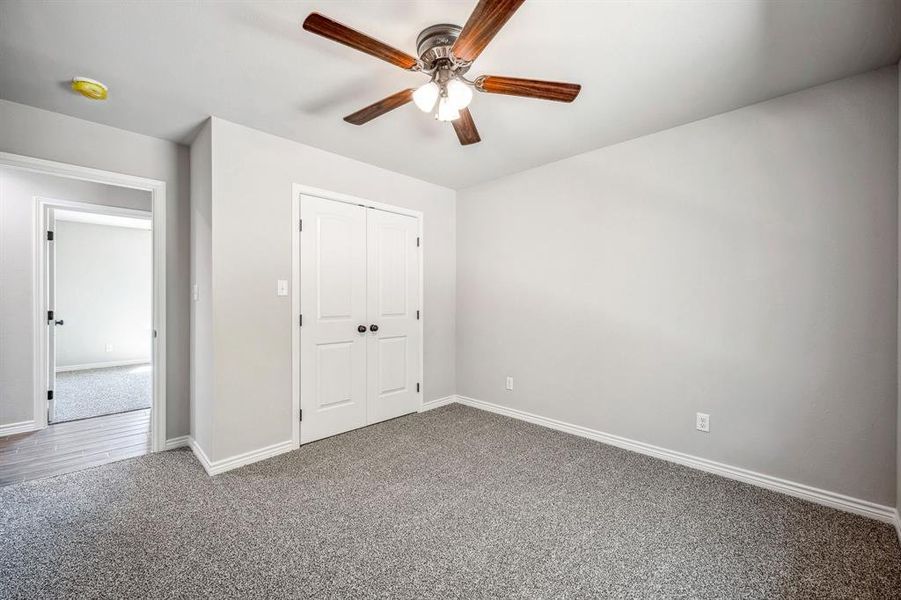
392 349
333 305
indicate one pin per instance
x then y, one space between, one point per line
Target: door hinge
417 242
300 225
49 315
49 236
300 321
417 388
300 415
49 394
417 315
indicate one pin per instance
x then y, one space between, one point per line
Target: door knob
373 328
361 328
60 322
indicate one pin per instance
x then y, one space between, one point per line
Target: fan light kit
446 52
90 88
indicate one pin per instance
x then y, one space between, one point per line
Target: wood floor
73 446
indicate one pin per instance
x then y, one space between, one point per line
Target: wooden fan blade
529 88
466 128
485 21
335 31
364 115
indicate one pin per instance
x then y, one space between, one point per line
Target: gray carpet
452 503
95 392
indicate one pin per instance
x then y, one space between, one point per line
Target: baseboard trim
432 404
20 427
239 460
178 442
104 365
857 506
898 524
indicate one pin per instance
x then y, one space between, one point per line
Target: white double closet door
360 334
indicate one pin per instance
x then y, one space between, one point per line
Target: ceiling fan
446 53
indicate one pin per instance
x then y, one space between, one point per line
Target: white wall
744 266
252 175
33 132
104 291
17 271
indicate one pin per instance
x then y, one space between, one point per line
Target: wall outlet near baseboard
109 347
509 385
702 422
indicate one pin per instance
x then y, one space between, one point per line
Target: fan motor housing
435 43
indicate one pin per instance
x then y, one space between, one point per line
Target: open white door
333 305
50 304
392 350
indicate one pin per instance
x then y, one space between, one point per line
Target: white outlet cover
282 287
109 347
702 422
510 383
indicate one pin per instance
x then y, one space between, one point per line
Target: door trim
157 191
298 190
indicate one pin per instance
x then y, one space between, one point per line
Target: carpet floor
451 503
95 392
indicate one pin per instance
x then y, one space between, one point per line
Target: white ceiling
644 66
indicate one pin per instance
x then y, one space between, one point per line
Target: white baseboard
437 402
239 460
178 442
104 365
865 508
898 524
20 427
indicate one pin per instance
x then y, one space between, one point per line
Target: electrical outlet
702 422
109 347
281 287
195 292
509 384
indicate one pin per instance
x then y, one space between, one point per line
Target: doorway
99 284
358 283
62 411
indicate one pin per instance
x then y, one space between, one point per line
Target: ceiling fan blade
529 88
335 31
364 115
466 128
485 21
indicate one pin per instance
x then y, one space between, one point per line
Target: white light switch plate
510 384
282 287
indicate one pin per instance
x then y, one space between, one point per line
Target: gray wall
33 132
251 228
898 459
201 277
18 189
744 266
104 294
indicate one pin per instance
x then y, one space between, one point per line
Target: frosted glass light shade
426 96
459 94
446 111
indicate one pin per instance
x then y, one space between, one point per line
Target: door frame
298 190
157 191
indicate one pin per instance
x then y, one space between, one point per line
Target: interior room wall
104 293
18 246
743 266
252 178
43 134
202 285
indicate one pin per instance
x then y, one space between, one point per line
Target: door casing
297 191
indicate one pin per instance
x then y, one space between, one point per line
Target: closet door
333 304
392 347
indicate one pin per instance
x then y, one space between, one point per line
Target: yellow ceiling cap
90 88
